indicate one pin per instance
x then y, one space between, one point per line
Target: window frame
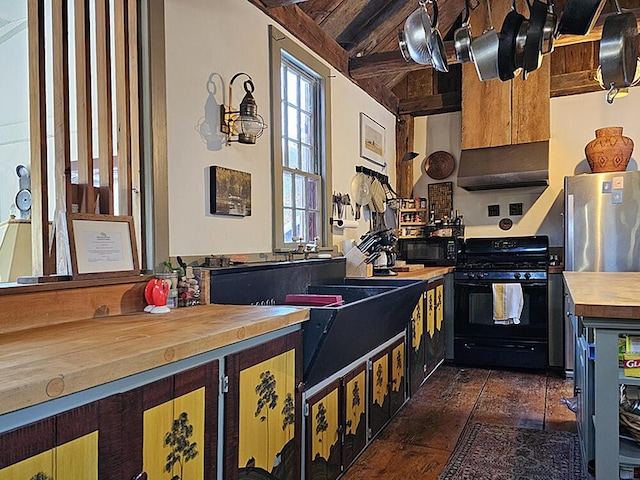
278 42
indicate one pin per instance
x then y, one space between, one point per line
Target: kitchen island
603 306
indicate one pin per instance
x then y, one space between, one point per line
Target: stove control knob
516 276
527 275
481 275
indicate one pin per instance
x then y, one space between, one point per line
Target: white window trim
278 41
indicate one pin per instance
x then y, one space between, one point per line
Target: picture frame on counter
102 246
372 140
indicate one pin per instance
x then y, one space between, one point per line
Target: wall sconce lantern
243 125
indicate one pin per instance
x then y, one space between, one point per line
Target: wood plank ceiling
359 38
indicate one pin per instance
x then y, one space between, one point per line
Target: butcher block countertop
605 294
44 363
426 273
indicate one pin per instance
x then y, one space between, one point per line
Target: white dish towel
507 303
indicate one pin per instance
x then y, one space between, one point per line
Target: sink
374 311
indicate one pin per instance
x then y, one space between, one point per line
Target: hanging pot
415 39
462 38
438 53
507 47
549 31
532 58
484 51
579 16
618 52
520 41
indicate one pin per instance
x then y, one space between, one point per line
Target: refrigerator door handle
569 246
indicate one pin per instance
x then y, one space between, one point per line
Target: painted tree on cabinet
269 447
182 450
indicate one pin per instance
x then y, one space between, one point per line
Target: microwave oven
431 251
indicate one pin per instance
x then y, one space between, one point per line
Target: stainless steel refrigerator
602 228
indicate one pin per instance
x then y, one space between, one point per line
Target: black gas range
501 303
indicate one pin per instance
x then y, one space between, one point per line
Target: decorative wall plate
439 165
505 223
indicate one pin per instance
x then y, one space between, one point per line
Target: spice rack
413 216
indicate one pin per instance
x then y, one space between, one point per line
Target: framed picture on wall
230 192
372 144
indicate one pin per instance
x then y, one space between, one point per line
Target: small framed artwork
372 144
102 246
230 192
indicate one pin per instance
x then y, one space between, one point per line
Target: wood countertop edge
607 295
426 273
37 381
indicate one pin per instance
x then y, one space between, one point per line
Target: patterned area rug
494 452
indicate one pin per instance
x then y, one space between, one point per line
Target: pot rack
382 178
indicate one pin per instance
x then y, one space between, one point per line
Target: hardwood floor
416 444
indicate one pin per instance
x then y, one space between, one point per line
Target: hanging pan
438 53
484 51
618 51
532 58
462 38
414 40
507 47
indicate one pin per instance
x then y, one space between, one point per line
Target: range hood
509 166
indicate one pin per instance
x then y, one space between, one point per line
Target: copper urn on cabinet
610 151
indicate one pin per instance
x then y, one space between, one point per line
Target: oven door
474 311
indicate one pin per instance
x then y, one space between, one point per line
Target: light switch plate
493 210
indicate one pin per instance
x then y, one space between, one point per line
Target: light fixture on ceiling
242 125
615 92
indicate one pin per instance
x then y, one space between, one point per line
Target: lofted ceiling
360 39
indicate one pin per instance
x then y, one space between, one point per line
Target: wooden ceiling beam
431 104
393 21
280 3
390 63
300 25
596 32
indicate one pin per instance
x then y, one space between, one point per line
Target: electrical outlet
515 209
494 210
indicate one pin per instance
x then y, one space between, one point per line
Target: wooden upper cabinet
496 113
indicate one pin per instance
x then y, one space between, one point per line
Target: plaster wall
574 120
216 39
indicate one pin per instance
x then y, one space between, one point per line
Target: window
301 151
70 138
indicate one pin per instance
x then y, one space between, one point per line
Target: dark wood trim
391 63
432 104
574 83
404 144
280 3
595 33
309 33
25 442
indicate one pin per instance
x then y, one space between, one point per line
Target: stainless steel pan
484 50
462 38
618 51
549 31
415 39
438 53
533 45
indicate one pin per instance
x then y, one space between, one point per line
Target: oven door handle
486 283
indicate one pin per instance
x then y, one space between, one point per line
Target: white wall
574 120
225 37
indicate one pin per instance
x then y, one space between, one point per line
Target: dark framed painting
230 192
